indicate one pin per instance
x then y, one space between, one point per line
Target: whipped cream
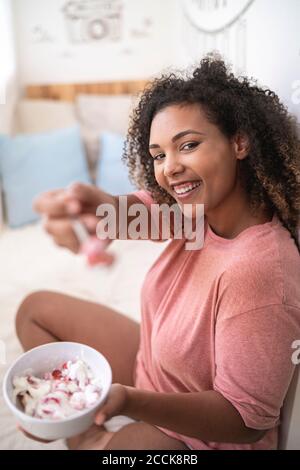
59 394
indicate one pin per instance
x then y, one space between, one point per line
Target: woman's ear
241 145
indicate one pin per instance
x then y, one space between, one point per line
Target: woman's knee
31 307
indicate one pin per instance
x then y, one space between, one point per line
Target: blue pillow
34 163
112 173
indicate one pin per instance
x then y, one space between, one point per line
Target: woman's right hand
30 436
58 208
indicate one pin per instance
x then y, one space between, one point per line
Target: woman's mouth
187 190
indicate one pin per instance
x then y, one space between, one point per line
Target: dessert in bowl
54 390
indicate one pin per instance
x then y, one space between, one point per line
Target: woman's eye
189 145
158 156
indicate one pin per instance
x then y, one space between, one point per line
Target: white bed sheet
30 261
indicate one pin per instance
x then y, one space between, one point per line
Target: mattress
30 261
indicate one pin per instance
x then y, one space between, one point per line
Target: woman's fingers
62 233
56 204
73 200
90 221
30 436
87 194
114 405
100 418
59 208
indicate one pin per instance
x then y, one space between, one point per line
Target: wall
269 35
265 43
274 50
8 82
138 49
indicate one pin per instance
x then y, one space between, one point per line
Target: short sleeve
253 357
145 197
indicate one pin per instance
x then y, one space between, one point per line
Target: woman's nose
172 165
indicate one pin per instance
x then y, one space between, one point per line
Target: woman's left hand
114 405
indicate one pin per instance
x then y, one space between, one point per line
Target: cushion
112 173
35 116
101 113
32 164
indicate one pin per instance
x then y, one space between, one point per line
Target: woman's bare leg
134 436
45 317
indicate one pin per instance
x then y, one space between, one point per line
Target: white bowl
43 359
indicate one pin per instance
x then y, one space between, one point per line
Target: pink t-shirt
224 318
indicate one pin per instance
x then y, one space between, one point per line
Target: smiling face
193 160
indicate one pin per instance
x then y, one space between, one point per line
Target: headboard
68 92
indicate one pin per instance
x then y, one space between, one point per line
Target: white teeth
188 187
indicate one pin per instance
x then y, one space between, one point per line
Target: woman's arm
206 416
58 209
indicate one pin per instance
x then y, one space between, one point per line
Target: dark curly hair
271 171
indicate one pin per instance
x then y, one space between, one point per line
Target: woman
211 364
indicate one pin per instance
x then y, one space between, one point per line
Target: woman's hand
115 404
59 207
30 436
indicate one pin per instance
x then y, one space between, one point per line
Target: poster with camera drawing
93 20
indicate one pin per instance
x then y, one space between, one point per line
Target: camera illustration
93 20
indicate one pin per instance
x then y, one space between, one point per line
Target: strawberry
56 374
31 381
49 399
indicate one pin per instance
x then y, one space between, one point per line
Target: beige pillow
99 113
34 116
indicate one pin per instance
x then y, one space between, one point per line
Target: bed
30 260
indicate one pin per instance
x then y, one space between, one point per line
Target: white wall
55 59
8 84
272 46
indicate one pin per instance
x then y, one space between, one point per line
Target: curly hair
270 173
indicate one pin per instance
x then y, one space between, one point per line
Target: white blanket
30 261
